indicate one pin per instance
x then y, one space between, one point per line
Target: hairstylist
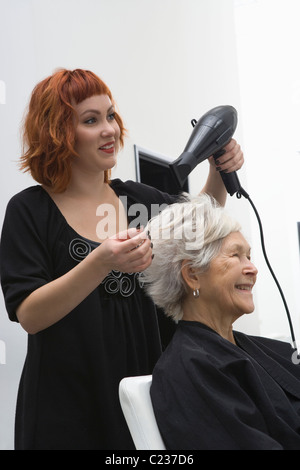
70 283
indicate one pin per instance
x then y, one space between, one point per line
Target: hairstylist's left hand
231 160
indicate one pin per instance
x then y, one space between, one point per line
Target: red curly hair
49 131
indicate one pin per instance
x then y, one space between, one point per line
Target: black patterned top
68 394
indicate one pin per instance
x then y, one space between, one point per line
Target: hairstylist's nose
108 129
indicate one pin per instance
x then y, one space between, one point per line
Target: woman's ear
189 275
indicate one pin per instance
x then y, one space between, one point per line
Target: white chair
134 393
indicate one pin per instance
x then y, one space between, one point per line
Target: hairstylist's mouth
108 148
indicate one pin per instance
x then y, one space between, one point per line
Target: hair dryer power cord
239 194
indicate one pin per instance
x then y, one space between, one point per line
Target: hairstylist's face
97 134
227 285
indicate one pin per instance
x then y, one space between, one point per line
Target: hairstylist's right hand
128 251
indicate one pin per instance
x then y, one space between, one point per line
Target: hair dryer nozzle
211 133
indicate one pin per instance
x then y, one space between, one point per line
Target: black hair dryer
209 137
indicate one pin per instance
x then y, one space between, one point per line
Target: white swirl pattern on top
115 282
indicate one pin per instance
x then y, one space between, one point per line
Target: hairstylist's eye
111 116
91 120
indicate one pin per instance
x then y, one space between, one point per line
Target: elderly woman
213 387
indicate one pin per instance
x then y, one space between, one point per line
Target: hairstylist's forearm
215 186
128 252
53 301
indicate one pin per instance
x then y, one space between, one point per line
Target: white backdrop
166 62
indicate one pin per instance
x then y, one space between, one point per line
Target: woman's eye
111 116
91 120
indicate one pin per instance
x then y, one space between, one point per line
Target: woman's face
97 135
227 285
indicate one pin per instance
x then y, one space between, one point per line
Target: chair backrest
134 393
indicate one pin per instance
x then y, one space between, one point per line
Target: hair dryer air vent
210 135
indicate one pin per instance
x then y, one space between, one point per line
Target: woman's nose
108 129
250 268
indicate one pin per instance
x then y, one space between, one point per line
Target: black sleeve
145 194
139 193
142 201
25 260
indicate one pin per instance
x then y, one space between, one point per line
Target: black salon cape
68 395
209 394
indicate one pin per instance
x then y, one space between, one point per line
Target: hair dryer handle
230 180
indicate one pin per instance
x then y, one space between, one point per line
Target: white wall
166 61
268 38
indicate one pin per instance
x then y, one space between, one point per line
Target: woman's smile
247 288
108 148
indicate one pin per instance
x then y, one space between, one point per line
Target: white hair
192 229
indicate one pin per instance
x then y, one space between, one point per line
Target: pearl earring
196 293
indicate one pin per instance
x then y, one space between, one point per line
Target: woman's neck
217 321
91 187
